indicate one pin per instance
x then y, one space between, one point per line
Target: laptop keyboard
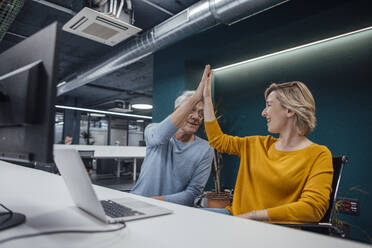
115 210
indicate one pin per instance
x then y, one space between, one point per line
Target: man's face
194 119
68 140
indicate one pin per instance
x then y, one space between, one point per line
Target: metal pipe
158 7
131 11
198 17
105 6
120 8
129 5
114 9
17 35
132 20
55 6
111 7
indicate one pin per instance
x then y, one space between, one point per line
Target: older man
66 141
177 163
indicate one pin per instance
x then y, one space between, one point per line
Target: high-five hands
207 84
207 77
182 112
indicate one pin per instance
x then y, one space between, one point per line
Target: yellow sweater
293 186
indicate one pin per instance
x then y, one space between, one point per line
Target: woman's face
275 114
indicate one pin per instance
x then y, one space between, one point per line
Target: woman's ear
290 113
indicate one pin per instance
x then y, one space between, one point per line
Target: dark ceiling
131 84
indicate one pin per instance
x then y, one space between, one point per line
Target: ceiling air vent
121 106
100 27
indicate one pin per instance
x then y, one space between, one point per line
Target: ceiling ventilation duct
200 16
107 23
8 12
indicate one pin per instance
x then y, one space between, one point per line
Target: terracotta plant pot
218 200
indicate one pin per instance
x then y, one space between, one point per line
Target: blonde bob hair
296 97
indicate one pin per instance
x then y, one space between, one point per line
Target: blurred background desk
112 152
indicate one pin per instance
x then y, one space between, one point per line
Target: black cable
10 213
62 231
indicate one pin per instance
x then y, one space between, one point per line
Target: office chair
326 224
87 157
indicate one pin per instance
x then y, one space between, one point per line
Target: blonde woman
285 179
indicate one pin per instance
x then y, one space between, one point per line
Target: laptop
82 193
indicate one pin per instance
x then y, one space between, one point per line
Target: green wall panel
169 84
339 74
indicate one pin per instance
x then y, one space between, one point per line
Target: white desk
119 152
44 199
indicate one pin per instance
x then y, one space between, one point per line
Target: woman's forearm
207 98
261 215
208 109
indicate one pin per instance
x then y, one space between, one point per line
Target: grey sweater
176 170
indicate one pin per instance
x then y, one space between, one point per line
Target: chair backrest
86 153
338 165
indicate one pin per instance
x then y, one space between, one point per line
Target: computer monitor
27 98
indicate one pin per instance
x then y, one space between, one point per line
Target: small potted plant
87 137
217 198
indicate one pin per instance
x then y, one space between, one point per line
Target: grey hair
182 98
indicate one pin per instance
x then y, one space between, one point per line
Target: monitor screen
27 97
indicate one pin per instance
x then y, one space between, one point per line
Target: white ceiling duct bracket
100 27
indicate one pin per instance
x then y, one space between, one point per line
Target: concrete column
71 121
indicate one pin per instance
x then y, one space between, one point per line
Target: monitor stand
8 220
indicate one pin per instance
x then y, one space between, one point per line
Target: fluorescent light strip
61 83
103 112
142 106
294 48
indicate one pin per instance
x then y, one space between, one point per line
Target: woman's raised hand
203 82
207 95
207 91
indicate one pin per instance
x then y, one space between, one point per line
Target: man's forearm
161 198
181 113
183 198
